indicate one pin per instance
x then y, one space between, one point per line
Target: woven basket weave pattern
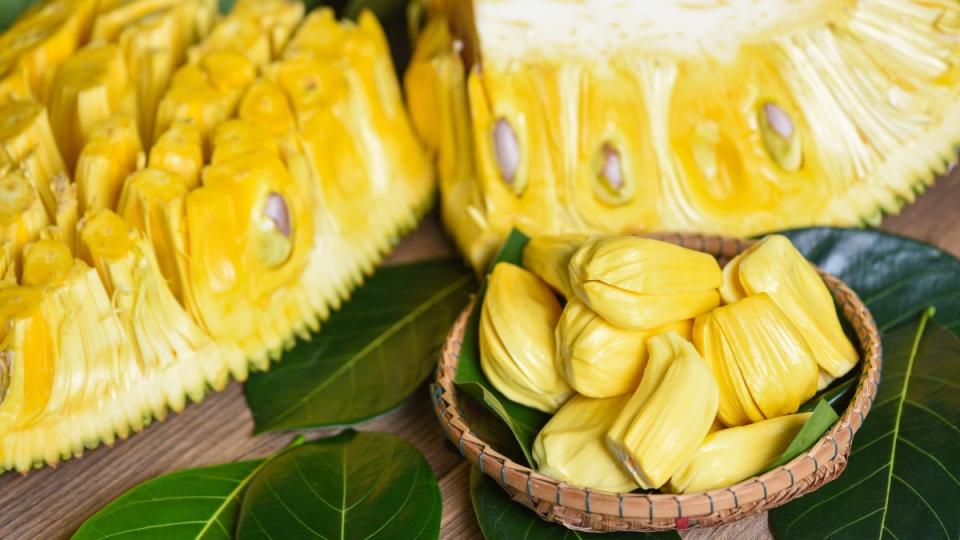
588 510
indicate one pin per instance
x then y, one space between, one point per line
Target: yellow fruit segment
730 455
109 156
615 116
642 283
666 419
572 448
517 346
774 266
599 359
549 258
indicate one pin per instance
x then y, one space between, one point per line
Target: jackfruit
549 258
133 283
601 360
609 116
774 266
517 347
759 358
665 421
572 447
730 455
643 283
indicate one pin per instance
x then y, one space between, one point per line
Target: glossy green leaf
196 503
369 356
356 485
501 518
903 476
896 277
820 421
523 421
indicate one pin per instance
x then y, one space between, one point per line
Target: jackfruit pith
736 118
167 177
651 382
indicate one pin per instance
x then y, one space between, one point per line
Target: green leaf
524 422
356 485
819 422
501 518
895 276
903 477
369 356
197 503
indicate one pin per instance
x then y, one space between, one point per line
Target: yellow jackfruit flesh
774 266
549 258
601 360
643 283
665 421
609 116
260 162
572 446
733 454
517 347
759 358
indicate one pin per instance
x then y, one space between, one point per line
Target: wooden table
52 503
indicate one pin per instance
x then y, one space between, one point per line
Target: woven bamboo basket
598 511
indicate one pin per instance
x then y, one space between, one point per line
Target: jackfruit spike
774 360
266 105
549 258
572 449
46 263
22 216
238 138
734 454
26 142
153 201
89 87
179 151
774 266
107 159
278 18
665 421
601 360
737 406
517 344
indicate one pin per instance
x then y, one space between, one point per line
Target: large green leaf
370 356
197 503
903 477
523 421
895 276
501 518
357 485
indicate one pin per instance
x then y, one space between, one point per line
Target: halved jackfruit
150 288
724 117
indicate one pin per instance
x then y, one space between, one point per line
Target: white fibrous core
592 29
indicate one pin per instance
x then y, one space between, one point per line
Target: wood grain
51 503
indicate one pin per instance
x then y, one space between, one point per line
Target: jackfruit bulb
608 116
168 177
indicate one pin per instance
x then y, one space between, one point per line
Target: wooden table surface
52 503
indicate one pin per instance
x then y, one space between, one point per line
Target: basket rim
589 509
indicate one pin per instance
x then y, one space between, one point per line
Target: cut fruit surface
722 117
182 195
